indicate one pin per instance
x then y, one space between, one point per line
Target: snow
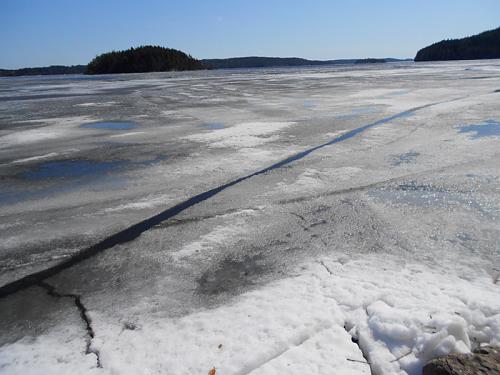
218 236
55 128
402 313
149 202
29 136
39 157
248 134
125 134
102 104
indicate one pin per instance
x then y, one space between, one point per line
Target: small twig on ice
326 267
400 357
356 360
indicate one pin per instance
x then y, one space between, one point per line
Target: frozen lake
313 220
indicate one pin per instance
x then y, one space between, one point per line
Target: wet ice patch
110 125
399 92
212 125
309 104
71 169
52 178
405 158
365 110
427 195
489 128
359 111
229 275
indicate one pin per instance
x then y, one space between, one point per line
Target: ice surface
372 253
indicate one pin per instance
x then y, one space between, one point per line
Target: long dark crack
77 299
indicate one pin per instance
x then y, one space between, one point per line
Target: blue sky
45 32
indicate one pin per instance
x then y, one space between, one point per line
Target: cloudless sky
66 32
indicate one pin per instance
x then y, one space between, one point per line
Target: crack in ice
77 299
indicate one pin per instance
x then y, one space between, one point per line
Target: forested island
45 70
481 46
268 62
143 59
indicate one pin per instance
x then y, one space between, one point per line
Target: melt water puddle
71 169
356 112
53 178
212 125
399 92
309 104
110 125
489 128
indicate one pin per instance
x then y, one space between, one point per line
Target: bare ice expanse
329 220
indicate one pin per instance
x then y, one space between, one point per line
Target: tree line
481 46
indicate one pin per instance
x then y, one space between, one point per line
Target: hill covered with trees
265 62
46 70
481 46
141 60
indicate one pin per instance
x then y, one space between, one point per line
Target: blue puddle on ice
356 112
82 168
64 176
110 125
212 125
489 128
399 92
309 104
71 169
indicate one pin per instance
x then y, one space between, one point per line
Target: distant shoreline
217 64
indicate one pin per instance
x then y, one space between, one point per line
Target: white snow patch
30 136
248 134
91 104
142 204
218 236
313 180
125 134
33 158
402 313
56 128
